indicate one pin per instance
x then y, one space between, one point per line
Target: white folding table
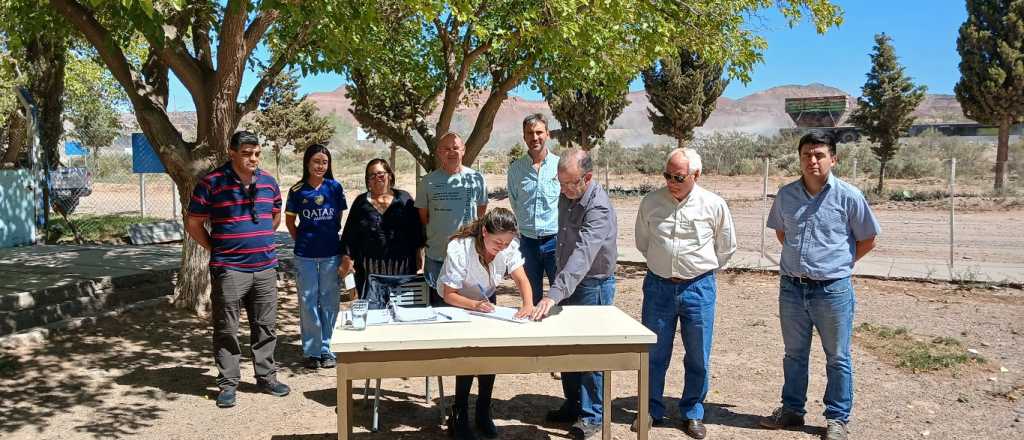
579 338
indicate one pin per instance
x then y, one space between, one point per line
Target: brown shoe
694 428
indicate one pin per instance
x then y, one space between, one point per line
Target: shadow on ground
155 355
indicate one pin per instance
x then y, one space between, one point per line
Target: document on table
378 317
411 314
452 314
502 313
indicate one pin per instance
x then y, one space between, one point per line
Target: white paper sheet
502 313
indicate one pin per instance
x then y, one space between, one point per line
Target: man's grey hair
448 135
692 157
535 118
578 157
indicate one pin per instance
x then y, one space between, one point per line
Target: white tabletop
575 325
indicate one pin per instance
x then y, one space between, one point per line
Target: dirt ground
150 374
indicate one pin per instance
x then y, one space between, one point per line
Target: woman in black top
383 234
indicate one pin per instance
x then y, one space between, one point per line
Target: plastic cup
360 308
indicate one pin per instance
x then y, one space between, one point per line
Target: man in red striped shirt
243 206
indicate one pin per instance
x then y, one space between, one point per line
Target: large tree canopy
414 63
209 46
991 86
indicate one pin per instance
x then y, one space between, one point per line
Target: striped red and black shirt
241 218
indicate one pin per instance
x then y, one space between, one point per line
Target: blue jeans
691 303
583 389
318 304
539 254
431 272
827 306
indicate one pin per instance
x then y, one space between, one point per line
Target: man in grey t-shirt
448 197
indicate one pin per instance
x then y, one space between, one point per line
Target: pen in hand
485 304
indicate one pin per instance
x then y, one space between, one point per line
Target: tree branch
271 72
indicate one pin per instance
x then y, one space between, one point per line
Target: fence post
764 209
394 159
854 177
952 224
174 199
142 194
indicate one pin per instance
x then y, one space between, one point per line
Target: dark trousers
485 385
257 292
584 390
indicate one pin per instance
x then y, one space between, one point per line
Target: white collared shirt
684 239
463 271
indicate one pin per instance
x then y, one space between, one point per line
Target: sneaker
273 387
584 431
328 362
311 363
782 417
835 430
561 415
226 398
651 422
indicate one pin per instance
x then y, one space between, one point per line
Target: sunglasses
677 178
252 203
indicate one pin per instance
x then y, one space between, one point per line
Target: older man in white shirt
686 233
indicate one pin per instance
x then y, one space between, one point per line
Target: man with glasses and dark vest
243 206
686 233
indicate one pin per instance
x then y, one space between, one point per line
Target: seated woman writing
481 255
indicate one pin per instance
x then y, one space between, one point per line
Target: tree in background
584 115
887 100
683 89
414 57
991 86
209 46
92 102
288 120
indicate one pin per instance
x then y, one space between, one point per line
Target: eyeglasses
252 203
675 177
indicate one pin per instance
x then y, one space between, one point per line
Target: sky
923 32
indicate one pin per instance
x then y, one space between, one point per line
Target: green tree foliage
584 115
991 86
888 98
409 59
683 90
92 102
209 46
288 120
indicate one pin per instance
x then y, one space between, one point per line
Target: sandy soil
149 374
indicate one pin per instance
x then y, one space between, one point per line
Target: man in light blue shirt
825 225
447 198
533 192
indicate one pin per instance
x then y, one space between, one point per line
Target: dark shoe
327 362
651 422
561 415
226 398
273 387
782 417
458 424
485 423
311 363
695 428
835 430
584 431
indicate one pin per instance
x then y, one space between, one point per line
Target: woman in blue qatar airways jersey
316 202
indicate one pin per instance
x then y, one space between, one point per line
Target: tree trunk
47 58
1002 153
881 177
16 137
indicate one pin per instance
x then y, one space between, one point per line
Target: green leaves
888 99
683 90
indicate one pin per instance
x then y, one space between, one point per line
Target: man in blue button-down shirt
825 225
533 192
